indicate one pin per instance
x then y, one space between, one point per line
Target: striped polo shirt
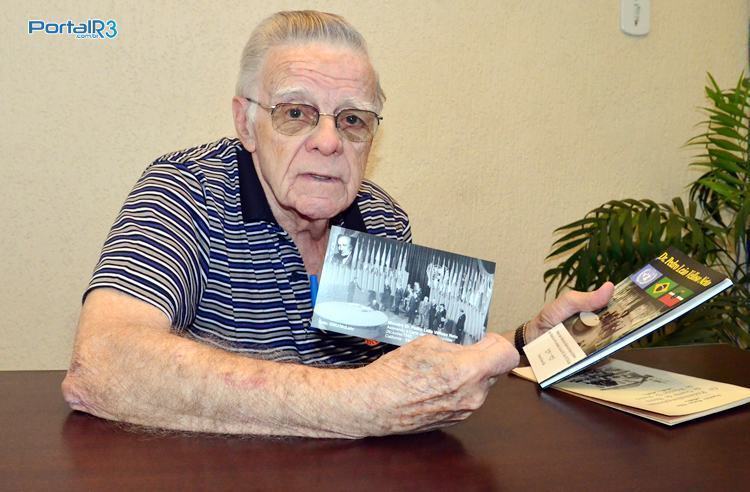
196 239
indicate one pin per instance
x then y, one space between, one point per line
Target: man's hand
567 305
428 383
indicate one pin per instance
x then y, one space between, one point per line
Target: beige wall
504 120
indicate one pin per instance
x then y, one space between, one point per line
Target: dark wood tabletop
521 439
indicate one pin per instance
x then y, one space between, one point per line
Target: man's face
344 245
315 175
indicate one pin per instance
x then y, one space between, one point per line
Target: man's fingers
588 301
497 353
488 341
574 302
434 383
600 297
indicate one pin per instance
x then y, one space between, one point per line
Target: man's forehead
315 70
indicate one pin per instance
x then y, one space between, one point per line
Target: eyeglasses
356 125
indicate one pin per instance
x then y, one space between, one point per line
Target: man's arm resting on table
128 366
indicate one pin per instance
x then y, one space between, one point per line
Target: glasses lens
293 119
357 125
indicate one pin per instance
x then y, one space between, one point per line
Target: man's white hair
297 27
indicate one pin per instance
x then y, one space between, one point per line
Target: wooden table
521 439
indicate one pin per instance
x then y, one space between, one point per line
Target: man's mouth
319 177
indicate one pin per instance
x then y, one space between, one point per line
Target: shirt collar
255 206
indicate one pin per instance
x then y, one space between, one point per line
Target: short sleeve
382 215
157 249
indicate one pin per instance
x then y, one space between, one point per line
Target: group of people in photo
435 291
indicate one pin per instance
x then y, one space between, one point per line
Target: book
390 291
662 396
662 290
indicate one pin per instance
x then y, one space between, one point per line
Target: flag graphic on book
645 276
675 296
661 287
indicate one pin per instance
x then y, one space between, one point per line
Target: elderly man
202 290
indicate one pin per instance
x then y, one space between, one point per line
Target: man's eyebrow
305 96
352 103
289 92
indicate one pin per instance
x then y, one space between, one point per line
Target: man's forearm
171 382
152 377
128 366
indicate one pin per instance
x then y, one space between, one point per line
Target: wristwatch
519 339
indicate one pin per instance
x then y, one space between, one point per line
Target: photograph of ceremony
391 291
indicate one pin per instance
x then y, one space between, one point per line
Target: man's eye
295 113
353 119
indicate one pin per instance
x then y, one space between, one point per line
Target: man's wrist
365 407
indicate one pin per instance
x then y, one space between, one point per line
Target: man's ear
239 110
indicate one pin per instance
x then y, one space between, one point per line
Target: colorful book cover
660 291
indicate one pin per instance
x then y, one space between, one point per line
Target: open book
664 289
662 396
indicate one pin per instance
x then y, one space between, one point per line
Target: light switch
635 17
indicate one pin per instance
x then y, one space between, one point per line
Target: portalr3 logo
91 29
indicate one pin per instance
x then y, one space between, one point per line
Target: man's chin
319 209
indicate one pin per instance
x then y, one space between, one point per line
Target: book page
553 352
653 390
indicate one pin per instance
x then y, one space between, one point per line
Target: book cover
393 292
662 396
665 288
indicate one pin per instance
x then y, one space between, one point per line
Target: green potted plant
712 226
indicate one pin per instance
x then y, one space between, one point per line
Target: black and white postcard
394 292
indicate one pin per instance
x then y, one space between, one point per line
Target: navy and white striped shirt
196 239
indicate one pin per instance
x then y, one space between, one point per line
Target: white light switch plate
635 17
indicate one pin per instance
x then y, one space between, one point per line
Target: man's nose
325 136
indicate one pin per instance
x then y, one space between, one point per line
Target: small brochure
667 287
393 292
662 396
